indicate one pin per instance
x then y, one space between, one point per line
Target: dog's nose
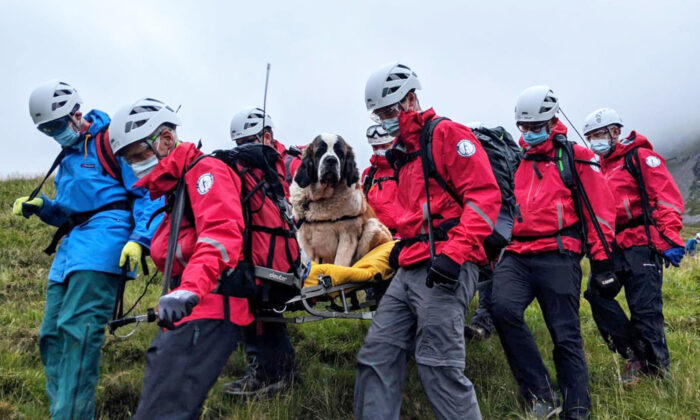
330 161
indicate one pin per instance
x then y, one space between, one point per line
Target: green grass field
325 352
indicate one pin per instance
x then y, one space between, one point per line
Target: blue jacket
83 185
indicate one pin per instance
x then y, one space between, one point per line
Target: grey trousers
430 323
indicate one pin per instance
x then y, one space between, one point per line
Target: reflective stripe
663 203
604 222
627 208
178 255
217 245
481 213
560 217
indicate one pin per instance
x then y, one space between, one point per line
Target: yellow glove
25 207
374 264
132 250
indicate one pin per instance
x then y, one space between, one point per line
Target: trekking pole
574 127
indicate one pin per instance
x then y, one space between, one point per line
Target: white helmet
536 104
139 120
600 118
376 135
52 100
249 123
389 85
697 236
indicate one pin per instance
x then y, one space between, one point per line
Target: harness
647 220
371 180
565 160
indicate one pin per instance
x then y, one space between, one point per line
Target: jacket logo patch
595 160
466 148
87 165
204 183
652 161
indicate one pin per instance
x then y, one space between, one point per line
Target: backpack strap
106 156
367 182
288 169
633 167
426 155
53 167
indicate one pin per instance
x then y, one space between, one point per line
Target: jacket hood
167 173
410 126
633 140
548 145
98 121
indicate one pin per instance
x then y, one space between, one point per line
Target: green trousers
70 339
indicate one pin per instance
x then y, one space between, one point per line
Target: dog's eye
338 149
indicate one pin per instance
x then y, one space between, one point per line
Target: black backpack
370 180
504 156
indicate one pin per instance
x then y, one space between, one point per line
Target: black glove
442 270
604 279
174 306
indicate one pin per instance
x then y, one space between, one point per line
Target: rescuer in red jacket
640 247
270 354
379 180
424 307
543 259
202 326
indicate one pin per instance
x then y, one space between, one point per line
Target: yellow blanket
374 265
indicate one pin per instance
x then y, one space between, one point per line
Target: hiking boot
542 409
632 374
475 332
251 386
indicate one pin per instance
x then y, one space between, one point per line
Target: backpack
293 152
504 156
275 287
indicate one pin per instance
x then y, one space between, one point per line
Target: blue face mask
67 137
144 167
600 147
391 126
533 139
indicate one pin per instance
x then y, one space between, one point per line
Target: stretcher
333 291
328 291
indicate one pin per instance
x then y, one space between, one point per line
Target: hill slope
326 352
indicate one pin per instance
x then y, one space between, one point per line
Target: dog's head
328 160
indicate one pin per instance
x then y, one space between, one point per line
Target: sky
472 58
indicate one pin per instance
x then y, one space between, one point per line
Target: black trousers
554 279
640 337
269 352
181 367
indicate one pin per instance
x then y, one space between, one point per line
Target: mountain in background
684 165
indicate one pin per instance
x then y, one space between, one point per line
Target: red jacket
287 166
545 204
463 163
662 190
382 193
215 243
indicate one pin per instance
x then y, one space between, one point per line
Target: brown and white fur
338 226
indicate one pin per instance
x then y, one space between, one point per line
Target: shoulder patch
652 161
595 160
466 148
204 183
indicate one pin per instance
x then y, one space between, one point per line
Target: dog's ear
350 172
307 172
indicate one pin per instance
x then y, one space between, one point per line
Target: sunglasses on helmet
535 127
376 131
53 127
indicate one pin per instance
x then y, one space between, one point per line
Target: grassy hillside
326 352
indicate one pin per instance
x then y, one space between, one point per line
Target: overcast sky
640 57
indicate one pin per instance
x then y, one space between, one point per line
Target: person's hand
174 306
23 206
674 256
442 270
604 279
131 254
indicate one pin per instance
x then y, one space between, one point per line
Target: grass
325 351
